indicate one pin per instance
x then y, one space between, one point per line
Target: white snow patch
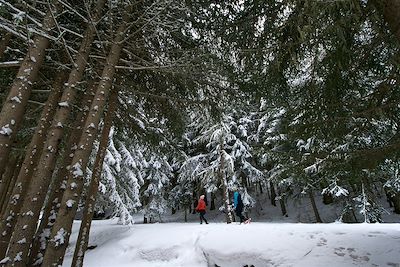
59 239
29 213
16 99
70 203
63 104
22 241
5 260
77 170
73 185
6 130
18 257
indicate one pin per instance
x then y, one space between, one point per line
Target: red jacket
201 206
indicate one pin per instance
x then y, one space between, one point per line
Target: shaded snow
234 245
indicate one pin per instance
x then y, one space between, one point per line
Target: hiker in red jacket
201 208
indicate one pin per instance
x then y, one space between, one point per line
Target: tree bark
62 227
56 192
14 106
314 206
212 204
6 179
9 216
273 193
186 212
4 43
396 203
390 10
83 237
224 182
327 198
12 184
281 202
30 210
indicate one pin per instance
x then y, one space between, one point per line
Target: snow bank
234 245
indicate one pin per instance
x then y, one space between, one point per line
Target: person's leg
202 213
201 217
240 215
204 218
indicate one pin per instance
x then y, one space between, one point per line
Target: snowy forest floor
270 240
234 245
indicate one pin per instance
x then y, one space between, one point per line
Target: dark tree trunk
14 203
4 43
314 206
273 193
30 210
56 192
186 212
394 199
11 185
83 237
390 10
14 106
195 201
327 198
55 251
282 203
212 203
6 179
224 182
260 186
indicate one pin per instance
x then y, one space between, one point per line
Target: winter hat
202 197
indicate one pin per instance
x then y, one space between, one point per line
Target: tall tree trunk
62 227
4 43
212 204
11 185
282 202
83 237
224 182
56 192
273 193
396 203
186 212
30 210
9 216
390 10
14 106
314 206
6 178
327 198
195 201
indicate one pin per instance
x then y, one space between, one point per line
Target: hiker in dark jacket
238 206
201 208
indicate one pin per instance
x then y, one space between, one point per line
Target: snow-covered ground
230 245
